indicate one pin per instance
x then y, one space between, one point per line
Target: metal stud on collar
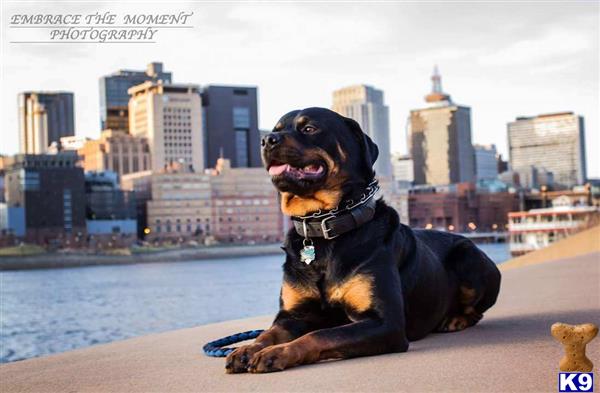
370 191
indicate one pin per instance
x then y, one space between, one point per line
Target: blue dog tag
307 254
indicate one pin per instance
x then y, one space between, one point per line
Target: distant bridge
493 236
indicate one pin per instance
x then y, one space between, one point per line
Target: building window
241 117
241 147
67 211
30 181
115 167
125 164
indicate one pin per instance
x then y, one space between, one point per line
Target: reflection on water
55 310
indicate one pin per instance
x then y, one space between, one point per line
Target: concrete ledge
510 350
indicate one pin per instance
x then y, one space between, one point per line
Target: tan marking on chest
356 292
292 295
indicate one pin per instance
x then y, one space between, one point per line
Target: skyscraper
440 139
44 117
486 162
170 117
365 105
114 98
231 125
553 142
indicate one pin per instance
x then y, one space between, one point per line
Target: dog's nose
271 140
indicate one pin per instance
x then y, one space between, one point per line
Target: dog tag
307 254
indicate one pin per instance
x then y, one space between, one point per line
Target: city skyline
541 59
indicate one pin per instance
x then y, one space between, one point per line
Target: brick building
116 151
229 205
245 205
180 206
460 208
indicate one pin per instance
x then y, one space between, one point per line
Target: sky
503 59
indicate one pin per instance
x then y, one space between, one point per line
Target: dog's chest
353 292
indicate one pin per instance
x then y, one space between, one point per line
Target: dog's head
316 158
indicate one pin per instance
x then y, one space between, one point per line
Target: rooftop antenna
437 95
436 80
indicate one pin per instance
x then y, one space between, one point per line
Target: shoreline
58 260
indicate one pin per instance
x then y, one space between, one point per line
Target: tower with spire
440 139
437 94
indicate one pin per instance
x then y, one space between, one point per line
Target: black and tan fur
371 290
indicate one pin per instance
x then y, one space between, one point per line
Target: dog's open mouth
311 171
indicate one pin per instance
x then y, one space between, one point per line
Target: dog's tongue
277 169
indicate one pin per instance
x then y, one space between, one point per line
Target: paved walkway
510 350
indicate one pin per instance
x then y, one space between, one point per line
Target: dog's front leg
369 337
281 331
378 310
288 325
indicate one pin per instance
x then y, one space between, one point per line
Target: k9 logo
575 382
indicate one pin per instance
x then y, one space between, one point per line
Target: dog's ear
370 152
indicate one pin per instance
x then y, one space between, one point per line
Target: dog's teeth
313 169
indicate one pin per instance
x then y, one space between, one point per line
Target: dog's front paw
238 360
275 358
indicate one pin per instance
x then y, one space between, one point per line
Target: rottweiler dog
356 281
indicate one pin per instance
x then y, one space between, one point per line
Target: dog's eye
309 130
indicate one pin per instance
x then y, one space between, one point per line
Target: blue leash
215 348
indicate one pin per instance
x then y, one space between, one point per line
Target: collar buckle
326 230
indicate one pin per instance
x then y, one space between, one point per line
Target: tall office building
44 117
365 105
49 191
231 125
170 118
554 142
440 139
486 162
114 99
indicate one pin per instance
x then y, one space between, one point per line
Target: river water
55 310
